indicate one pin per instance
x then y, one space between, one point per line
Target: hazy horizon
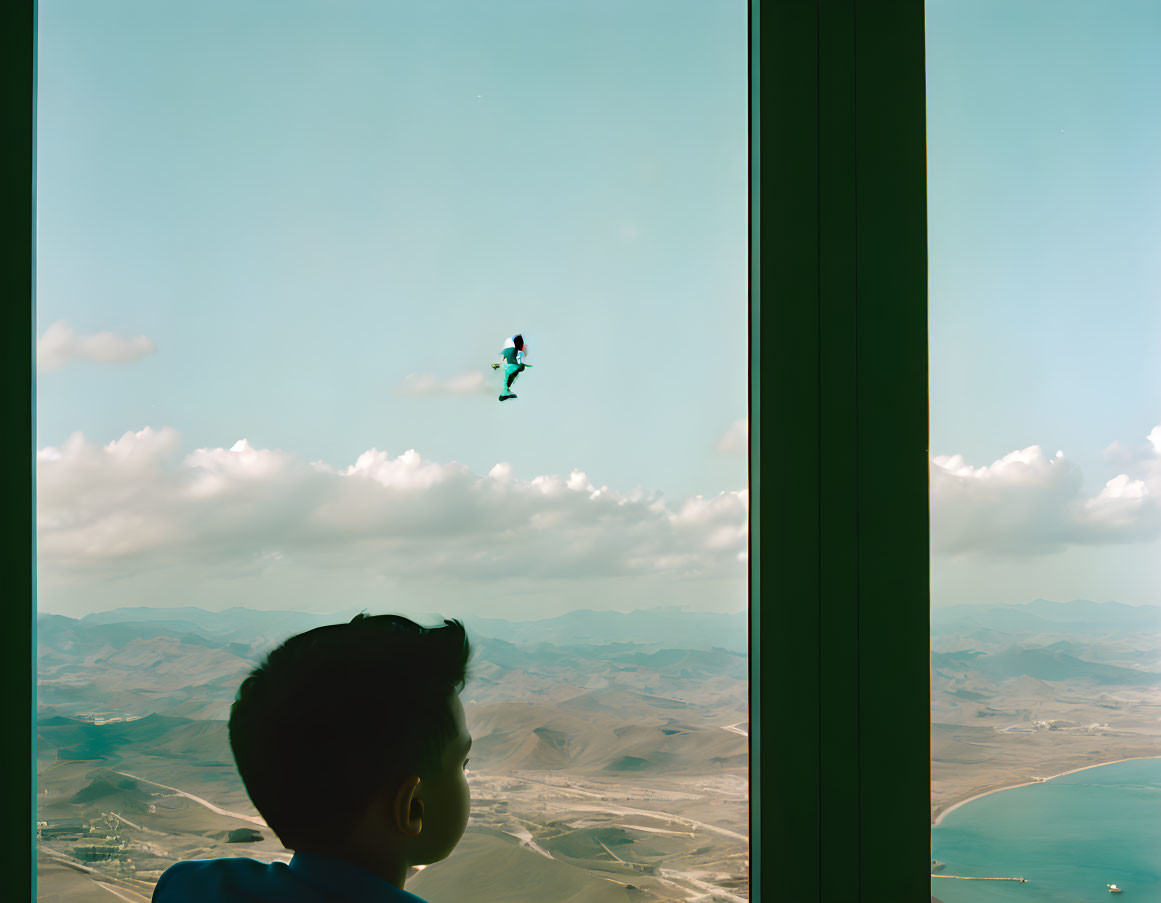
414 613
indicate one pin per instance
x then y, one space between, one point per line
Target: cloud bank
138 504
472 383
1028 503
60 345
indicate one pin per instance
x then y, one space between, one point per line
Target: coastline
964 802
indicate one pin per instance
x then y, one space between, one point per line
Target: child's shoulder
225 880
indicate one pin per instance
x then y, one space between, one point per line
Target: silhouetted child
351 742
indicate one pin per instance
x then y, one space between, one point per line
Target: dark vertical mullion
838 537
891 286
753 458
788 409
17 197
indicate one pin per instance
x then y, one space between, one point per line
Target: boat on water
1113 889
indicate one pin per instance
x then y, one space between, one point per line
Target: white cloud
1027 503
736 438
408 471
136 505
474 382
60 345
219 470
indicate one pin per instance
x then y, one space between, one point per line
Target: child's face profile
445 796
420 820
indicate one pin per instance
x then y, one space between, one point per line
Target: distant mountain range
187 662
247 626
1081 616
656 628
977 649
669 628
249 632
1047 663
617 706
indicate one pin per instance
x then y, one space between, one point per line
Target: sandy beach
956 805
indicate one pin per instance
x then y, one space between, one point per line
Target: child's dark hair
335 715
518 341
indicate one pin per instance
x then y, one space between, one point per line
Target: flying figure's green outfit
513 354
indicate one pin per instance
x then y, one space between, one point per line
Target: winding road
252 819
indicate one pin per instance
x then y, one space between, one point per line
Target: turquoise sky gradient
302 202
1044 184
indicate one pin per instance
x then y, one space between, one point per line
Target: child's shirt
307 879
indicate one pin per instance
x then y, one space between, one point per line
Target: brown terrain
1023 693
599 773
602 771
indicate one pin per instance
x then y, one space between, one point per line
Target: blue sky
302 208
1045 276
310 226
299 205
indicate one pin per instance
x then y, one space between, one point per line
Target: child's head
352 738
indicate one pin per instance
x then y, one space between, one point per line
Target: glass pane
1044 229
284 250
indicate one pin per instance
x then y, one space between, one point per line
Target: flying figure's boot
506 388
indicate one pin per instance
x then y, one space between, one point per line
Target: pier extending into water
975 878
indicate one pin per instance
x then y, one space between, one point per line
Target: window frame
18 451
844 313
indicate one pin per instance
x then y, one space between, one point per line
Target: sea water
1070 837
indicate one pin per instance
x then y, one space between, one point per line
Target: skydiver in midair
513 354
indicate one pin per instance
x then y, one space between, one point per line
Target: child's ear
408 808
